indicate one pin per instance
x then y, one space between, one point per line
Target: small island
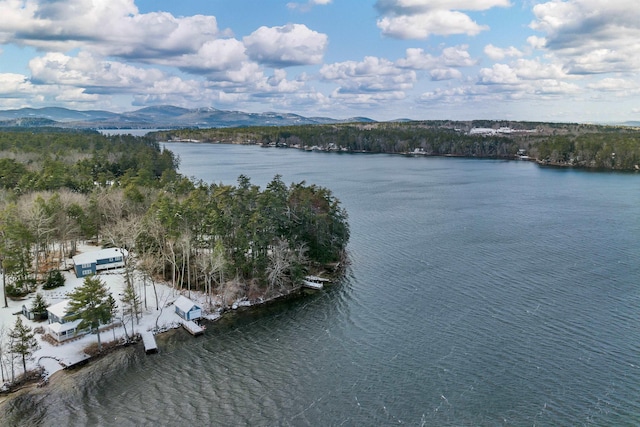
102 238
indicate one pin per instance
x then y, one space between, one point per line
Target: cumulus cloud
283 46
590 36
454 56
106 27
612 84
369 75
526 78
522 69
418 19
450 95
445 74
90 73
212 57
498 54
12 84
278 83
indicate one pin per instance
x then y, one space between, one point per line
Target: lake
480 292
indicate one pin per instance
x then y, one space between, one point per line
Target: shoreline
41 383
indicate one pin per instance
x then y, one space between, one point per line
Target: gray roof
93 256
185 304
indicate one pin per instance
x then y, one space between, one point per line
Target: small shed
89 263
187 309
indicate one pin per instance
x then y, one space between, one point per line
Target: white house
89 263
60 327
187 309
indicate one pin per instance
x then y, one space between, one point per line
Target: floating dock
314 282
149 342
193 328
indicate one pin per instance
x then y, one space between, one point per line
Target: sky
536 60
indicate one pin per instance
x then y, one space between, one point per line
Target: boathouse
187 309
60 327
88 263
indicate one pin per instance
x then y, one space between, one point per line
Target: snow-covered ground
54 357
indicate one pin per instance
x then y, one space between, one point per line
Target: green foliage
92 303
581 145
198 235
23 341
237 229
435 138
39 307
79 160
54 279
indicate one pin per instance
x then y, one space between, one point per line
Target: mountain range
157 117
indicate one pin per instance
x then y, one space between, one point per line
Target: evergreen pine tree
24 342
92 304
39 307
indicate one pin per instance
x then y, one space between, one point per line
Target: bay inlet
480 292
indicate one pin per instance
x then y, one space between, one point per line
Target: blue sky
547 60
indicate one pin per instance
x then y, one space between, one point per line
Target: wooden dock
149 342
314 282
192 327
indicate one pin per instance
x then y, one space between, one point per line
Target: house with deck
88 263
187 309
60 327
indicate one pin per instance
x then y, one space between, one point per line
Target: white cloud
88 72
305 7
454 56
213 56
12 84
291 44
445 74
106 27
611 84
590 36
418 19
370 75
501 74
519 70
498 54
450 95
278 83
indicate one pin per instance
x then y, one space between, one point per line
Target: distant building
89 263
482 131
187 309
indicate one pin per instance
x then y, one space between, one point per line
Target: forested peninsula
554 144
58 188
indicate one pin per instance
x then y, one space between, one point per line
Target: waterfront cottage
89 263
60 326
187 309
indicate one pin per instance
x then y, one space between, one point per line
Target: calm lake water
480 293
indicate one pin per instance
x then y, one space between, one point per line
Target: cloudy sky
553 60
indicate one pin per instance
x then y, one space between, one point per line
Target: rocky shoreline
37 381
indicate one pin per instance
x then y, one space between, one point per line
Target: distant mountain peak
164 117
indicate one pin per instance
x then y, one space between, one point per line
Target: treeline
223 239
79 160
604 150
432 137
567 144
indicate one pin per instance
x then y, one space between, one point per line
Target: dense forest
559 144
60 188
